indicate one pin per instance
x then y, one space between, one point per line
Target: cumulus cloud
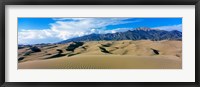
35 36
171 27
65 28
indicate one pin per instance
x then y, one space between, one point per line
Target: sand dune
105 62
124 54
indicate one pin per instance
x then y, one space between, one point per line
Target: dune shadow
20 59
74 45
104 50
56 56
73 54
156 52
106 45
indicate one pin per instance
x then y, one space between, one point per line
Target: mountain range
136 34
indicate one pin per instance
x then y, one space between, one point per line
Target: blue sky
50 30
34 23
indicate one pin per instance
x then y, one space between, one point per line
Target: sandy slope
124 54
105 62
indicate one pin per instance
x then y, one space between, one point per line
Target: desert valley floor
124 54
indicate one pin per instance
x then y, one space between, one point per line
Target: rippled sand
105 62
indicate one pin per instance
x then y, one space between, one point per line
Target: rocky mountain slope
136 34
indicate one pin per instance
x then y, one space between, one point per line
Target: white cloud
171 27
65 28
32 36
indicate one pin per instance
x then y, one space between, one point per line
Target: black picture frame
98 2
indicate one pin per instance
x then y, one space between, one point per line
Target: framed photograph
100 43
